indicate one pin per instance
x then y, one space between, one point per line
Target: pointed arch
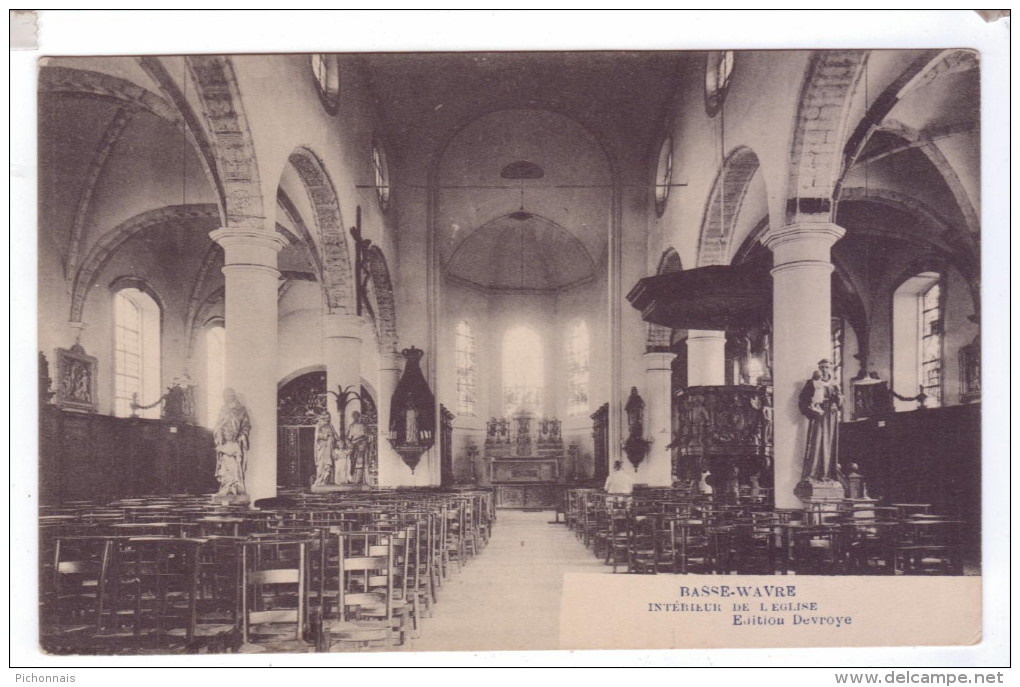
724 205
155 68
230 138
109 139
206 214
386 308
333 253
930 66
819 132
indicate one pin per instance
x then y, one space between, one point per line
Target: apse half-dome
521 252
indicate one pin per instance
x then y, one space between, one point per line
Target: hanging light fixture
412 411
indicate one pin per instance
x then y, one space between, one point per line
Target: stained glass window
578 354
326 72
466 381
663 174
837 349
382 173
136 352
931 344
718 69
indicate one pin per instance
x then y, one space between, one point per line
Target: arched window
136 332
523 371
465 348
578 353
930 314
718 69
837 350
326 71
215 370
663 174
382 173
917 339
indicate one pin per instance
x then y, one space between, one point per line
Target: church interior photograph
324 339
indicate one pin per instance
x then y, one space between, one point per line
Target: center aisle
508 597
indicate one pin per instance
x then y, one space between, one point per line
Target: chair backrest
365 572
274 582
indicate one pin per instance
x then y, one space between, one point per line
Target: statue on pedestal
635 446
231 437
357 446
821 401
325 450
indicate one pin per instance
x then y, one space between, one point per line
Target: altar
525 455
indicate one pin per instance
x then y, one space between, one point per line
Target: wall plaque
76 379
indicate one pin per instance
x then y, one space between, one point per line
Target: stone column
341 349
657 468
390 463
250 319
706 357
802 327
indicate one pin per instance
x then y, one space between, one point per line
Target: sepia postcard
628 338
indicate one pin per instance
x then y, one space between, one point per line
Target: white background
138 32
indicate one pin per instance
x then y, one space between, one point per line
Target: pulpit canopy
718 297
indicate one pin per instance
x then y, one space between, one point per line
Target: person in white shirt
619 482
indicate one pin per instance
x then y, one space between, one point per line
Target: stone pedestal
231 499
802 329
250 317
819 496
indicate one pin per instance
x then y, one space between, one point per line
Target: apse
522 227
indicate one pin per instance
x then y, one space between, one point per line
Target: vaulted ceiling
569 114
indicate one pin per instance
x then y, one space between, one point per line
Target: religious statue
411 426
635 414
82 383
357 446
325 450
745 360
231 436
635 446
821 402
696 421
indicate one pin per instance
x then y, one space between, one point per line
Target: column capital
820 233
248 245
712 334
802 244
659 360
341 325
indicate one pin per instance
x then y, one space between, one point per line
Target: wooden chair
274 588
365 580
642 544
72 592
403 605
690 544
455 530
820 550
929 545
872 547
754 544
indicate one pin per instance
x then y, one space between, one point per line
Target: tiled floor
508 598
